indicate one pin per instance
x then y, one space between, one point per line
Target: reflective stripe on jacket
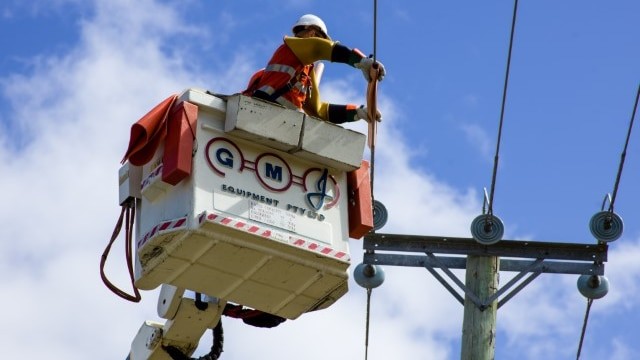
286 70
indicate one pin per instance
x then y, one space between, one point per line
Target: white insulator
606 226
593 286
380 215
487 229
368 276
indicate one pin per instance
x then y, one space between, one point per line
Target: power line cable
584 327
624 152
375 29
366 337
611 203
372 133
504 100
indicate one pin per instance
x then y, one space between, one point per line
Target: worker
289 78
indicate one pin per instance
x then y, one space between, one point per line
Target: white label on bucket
271 215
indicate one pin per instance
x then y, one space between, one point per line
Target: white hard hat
310 19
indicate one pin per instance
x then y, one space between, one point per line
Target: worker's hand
361 114
365 65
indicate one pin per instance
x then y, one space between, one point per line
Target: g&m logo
316 199
320 189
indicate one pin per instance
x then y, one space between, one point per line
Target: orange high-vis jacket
288 78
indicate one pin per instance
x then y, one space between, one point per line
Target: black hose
214 354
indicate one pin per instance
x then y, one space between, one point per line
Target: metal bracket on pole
524 257
533 268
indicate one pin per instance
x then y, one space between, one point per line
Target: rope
504 99
584 327
624 152
128 212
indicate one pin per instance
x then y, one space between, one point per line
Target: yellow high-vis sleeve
314 105
310 50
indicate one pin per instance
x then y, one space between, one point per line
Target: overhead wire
366 337
624 152
611 204
371 86
375 29
504 100
490 200
584 327
372 113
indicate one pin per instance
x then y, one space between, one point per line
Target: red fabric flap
178 146
360 202
147 133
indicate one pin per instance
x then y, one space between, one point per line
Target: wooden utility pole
479 322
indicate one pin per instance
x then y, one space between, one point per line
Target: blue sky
75 74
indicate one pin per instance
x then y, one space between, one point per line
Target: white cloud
621 351
60 191
623 271
60 203
479 138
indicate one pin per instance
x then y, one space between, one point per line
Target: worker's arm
339 114
309 50
334 113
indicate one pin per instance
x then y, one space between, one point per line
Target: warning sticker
271 215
